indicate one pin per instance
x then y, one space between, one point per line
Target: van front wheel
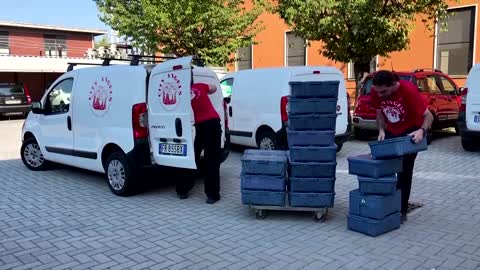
120 174
267 141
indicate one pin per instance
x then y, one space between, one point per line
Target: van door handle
178 127
69 123
230 112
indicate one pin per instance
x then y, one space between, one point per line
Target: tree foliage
209 29
358 30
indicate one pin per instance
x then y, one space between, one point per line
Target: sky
69 13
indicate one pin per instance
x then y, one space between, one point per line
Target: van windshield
367 85
8 90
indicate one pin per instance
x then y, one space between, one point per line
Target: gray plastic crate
374 206
323 89
312 169
264 165
296 184
312 122
267 198
297 199
312 105
396 147
263 182
313 153
374 227
364 165
257 152
378 186
310 138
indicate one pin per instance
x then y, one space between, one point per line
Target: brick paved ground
68 219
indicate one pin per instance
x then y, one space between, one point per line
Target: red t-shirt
203 109
402 110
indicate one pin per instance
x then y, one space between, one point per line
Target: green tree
209 29
358 30
103 42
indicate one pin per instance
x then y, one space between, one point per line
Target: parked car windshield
7 90
367 85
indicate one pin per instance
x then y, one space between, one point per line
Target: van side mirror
37 108
460 90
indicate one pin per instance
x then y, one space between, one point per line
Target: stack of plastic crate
263 178
375 205
312 150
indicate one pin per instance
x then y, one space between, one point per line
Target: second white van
257 104
469 115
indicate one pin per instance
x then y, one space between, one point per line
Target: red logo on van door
169 91
100 96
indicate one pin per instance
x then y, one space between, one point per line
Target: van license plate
173 149
476 119
12 102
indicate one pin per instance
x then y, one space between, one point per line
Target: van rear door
170 115
473 99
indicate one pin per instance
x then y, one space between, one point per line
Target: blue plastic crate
312 105
396 147
257 152
374 227
364 165
296 184
374 206
313 153
267 198
312 169
378 186
323 89
310 138
312 122
263 182
297 199
264 163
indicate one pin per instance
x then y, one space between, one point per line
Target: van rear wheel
267 141
120 174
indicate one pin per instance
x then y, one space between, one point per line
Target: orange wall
270 50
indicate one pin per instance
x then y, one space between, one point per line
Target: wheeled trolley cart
319 214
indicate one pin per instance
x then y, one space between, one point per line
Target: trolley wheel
260 214
320 216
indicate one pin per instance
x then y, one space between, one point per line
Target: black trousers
404 179
207 138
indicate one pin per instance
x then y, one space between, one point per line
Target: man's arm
380 125
422 132
212 88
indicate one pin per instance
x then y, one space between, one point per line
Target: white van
469 115
118 119
257 104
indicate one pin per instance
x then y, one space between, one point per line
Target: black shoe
403 218
182 196
212 200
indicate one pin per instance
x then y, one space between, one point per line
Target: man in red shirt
401 111
208 133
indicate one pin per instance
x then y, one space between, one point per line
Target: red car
439 91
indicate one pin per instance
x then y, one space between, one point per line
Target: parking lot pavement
68 219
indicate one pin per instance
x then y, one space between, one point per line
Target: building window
4 43
55 45
244 56
455 46
351 71
296 50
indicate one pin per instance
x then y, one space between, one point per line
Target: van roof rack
135 60
424 69
73 64
138 58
